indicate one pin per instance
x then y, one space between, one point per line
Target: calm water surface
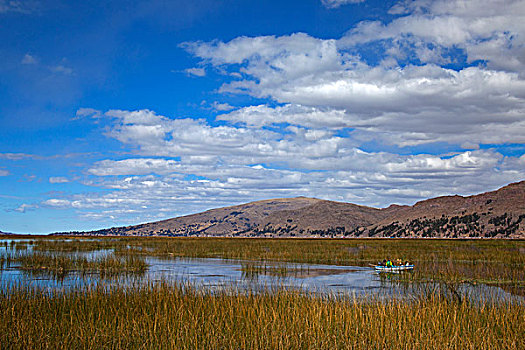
242 275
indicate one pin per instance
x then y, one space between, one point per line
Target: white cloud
221 107
54 202
489 30
336 3
154 135
392 166
297 54
18 6
29 178
198 72
306 146
312 117
403 105
18 156
62 69
4 172
25 207
326 104
260 164
377 179
29 59
140 166
58 180
87 112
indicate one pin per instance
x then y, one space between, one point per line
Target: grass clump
163 316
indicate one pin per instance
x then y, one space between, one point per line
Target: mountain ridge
495 214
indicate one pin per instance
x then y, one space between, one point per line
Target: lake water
217 274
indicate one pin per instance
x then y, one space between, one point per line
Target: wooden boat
380 268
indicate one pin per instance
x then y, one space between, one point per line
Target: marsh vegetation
57 264
494 262
433 313
164 316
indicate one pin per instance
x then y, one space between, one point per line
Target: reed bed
77 244
476 261
252 269
164 316
16 245
62 264
498 262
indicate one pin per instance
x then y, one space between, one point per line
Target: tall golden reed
163 316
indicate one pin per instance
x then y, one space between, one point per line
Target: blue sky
123 112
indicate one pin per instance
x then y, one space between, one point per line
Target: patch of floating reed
61 264
252 269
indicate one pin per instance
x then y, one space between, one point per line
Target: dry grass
181 317
164 316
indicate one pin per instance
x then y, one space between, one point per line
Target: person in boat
407 263
382 263
399 262
389 263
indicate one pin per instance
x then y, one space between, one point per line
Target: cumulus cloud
444 73
400 100
311 117
392 179
154 135
204 150
189 165
4 172
487 30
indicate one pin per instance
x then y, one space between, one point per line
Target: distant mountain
499 214
6 234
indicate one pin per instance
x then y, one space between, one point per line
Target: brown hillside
321 216
499 213
223 221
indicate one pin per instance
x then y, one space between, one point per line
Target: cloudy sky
122 112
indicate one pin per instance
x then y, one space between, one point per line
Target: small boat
380 268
